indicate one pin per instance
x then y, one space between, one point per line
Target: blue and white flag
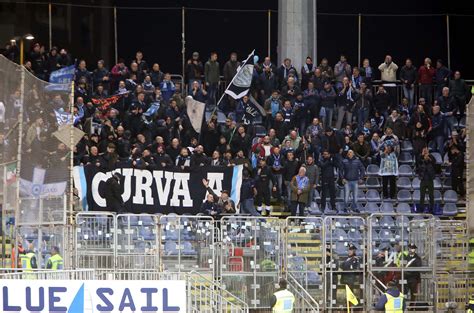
38 188
63 118
240 84
62 76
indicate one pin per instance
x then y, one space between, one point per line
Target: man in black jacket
408 76
426 172
113 193
457 170
264 176
327 165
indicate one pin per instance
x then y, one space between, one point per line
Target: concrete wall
296 35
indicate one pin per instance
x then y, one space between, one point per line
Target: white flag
240 84
195 110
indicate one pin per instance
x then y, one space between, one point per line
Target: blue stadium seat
402 221
372 170
361 196
372 183
373 195
341 248
372 207
404 196
339 234
386 235
354 235
171 248
450 196
188 248
313 278
403 183
386 221
405 158
405 170
317 196
437 183
450 209
386 207
415 183
406 146
437 157
403 207
437 196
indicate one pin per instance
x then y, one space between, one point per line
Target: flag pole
223 94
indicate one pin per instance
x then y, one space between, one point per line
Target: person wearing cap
349 267
282 300
264 177
194 70
224 202
392 300
55 262
413 278
113 193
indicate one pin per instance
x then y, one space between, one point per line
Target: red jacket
425 75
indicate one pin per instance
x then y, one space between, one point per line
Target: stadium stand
147 127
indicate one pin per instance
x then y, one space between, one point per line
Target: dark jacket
437 125
327 169
290 169
448 104
113 195
230 69
408 73
442 73
426 168
211 72
328 98
352 169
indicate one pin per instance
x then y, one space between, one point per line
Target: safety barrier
453 290
95 240
43 211
187 243
250 258
247 255
391 258
451 245
137 241
304 253
304 302
343 265
78 274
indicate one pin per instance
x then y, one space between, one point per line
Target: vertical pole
269 36
448 40
71 161
359 40
315 32
50 25
183 45
115 35
18 156
22 51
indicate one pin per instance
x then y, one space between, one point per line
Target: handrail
223 293
303 293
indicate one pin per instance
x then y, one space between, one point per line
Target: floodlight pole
50 25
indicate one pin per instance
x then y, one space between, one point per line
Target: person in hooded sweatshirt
392 300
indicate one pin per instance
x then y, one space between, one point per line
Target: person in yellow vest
55 262
470 304
282 300
28 260
392 301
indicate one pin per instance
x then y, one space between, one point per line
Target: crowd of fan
323 126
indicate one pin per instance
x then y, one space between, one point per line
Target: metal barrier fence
451 245
247 255
95 240
453 290
304 254
187 243
137 241
344 264
250 258
43 211
391 257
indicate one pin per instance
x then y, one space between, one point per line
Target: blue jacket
380 306
352 169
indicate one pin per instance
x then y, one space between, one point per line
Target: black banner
159 191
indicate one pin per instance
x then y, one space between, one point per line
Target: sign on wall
92 296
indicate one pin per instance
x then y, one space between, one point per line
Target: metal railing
304 302
77 274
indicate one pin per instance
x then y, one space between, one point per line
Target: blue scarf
302 182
